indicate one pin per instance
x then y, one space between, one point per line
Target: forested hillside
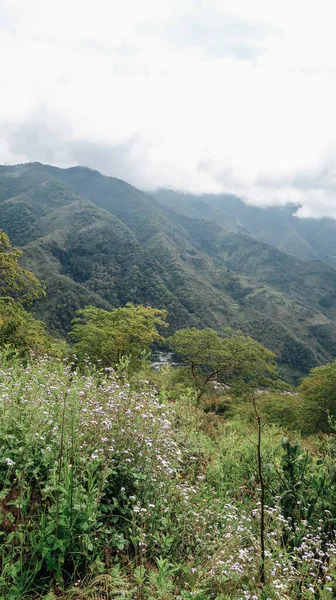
207 477
306 238
97 240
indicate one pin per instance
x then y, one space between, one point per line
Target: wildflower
9 462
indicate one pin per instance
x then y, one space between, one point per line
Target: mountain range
210 260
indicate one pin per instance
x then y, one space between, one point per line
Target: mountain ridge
98 240
301 237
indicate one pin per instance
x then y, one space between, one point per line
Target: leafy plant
109 337
110 490
319 392
235 360
15 282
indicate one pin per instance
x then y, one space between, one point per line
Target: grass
112 489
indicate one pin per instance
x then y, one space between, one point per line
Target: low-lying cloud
204 96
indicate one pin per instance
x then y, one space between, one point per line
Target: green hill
98 240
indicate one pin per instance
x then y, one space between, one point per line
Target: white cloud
205 95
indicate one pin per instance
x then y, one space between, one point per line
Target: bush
319 391
289 411
108 490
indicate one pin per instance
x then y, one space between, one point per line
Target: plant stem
262 497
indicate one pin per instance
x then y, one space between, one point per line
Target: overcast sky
202 95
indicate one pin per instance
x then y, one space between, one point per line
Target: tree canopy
109 336
235 360
19 330
16 282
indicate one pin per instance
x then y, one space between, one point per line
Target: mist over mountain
304 238
211 261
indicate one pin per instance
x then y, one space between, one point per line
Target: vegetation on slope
97 241
19 330
117 481
108 338
111 490
304 238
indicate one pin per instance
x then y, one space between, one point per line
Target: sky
234 96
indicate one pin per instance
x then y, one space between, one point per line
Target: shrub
112 492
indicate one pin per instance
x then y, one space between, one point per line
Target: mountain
278 226
98 240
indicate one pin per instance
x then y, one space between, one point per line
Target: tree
239 362
15 282
236 360
319 393
109 336
19 330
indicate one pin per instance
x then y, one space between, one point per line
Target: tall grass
109 490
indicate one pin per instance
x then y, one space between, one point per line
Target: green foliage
109 337
16 282
107 492
319 391
237 361
23 334
287 410
308 491
98 241
20 332
110 489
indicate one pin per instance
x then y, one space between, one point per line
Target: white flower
9 462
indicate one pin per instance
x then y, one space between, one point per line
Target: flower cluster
113 474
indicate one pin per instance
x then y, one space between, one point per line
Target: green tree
15 282
319 393
19 330
108 337
236 360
